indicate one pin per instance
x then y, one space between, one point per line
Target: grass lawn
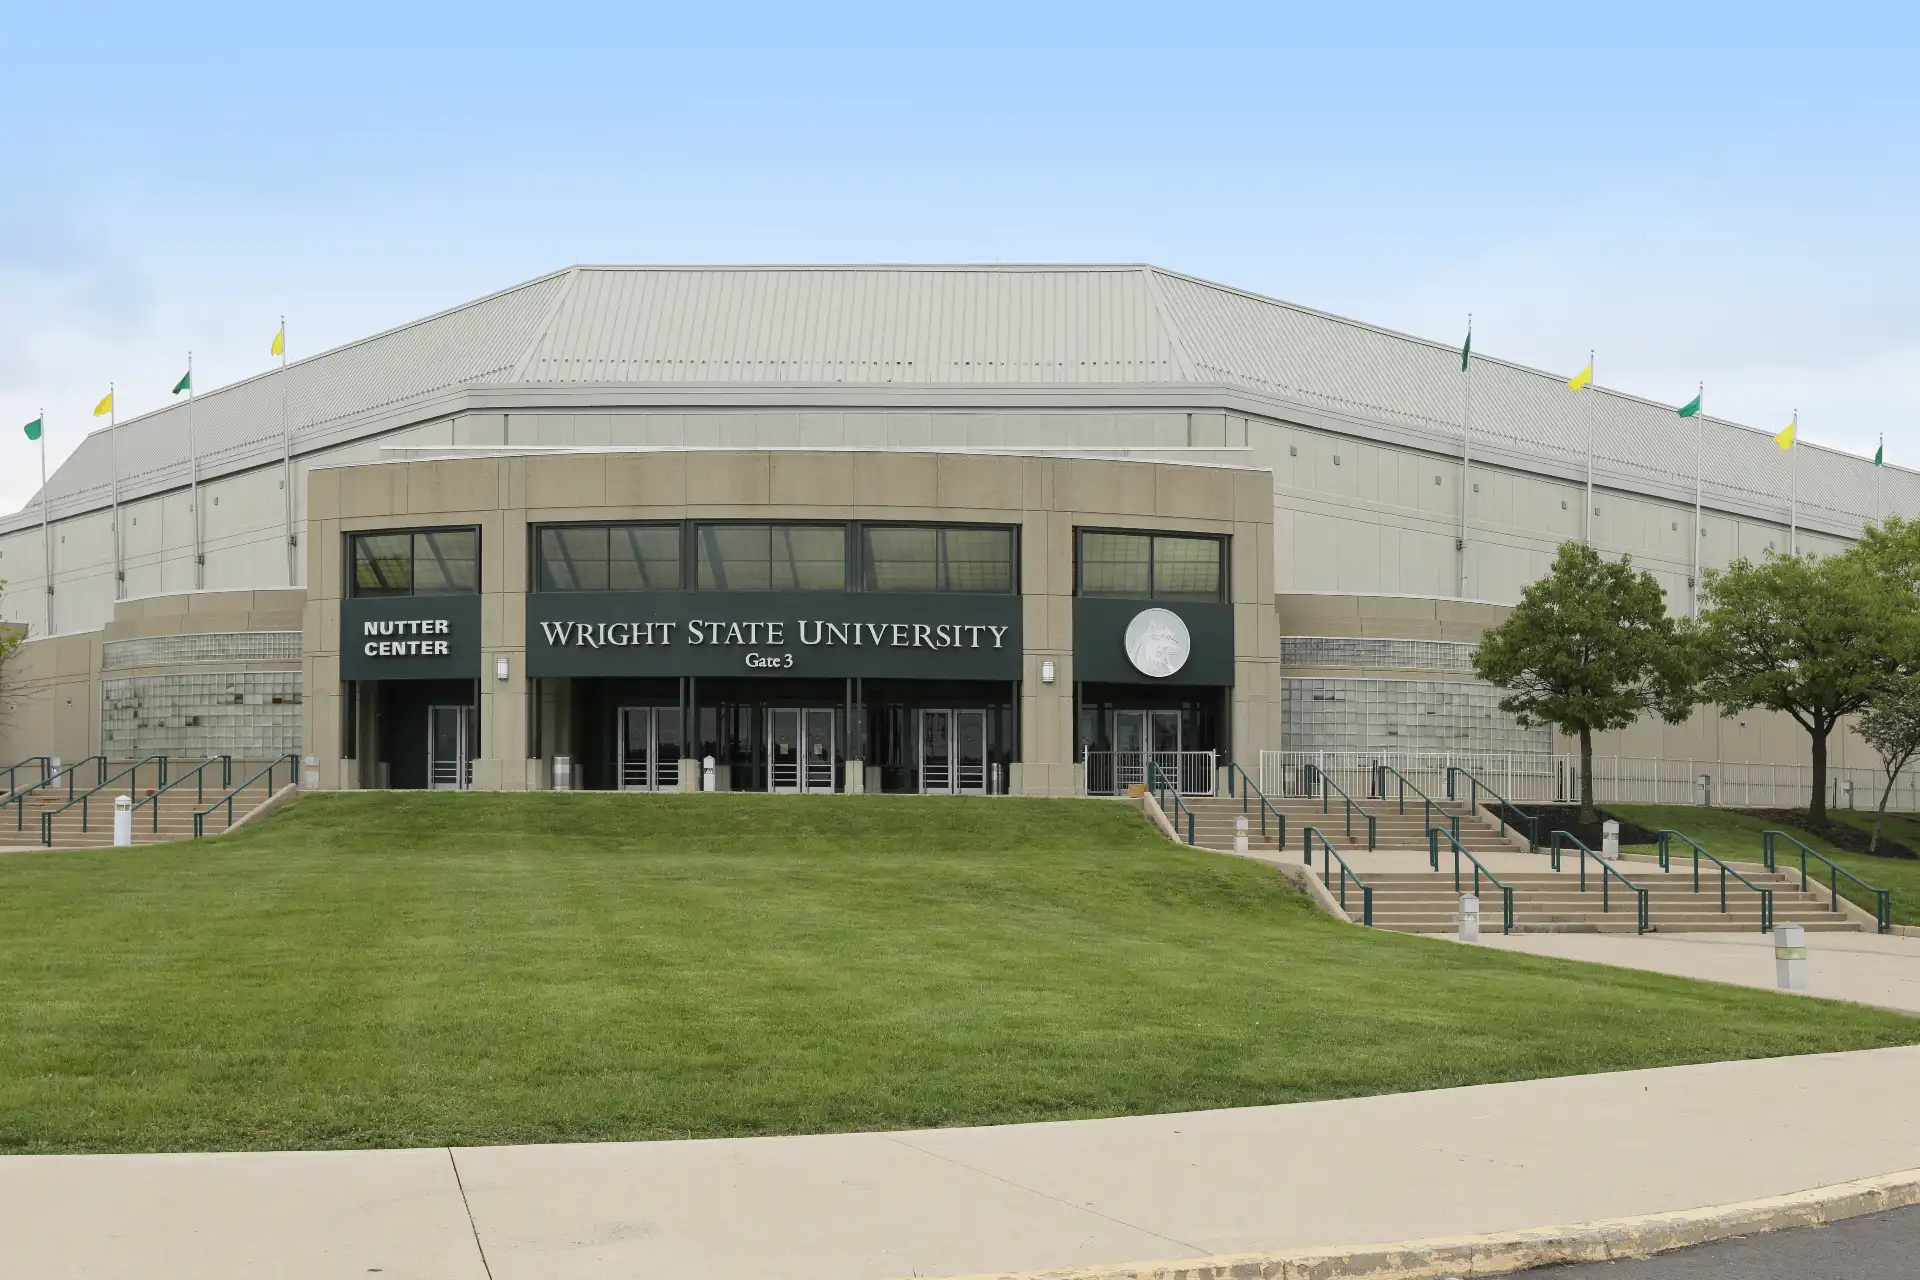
394 970
1735 836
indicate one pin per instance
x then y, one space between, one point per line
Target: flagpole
1699 442
46 524
1591 390
1466 451
113 456
193 482
1793 487
286 450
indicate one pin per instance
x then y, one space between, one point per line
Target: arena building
971 529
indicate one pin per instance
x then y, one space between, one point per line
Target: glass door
819 771
936 751
450 748
1164 726
970 752
1129 748
783 749
649 748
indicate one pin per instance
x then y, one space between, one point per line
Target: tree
1588 648
1813 636
1891 727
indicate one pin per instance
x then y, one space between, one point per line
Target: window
436 562
772 557
621 557
1159 566
936 558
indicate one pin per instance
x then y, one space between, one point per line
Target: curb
1496 1253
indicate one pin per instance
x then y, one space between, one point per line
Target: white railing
1527 777
1110 773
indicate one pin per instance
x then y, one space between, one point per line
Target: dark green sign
410 638
808 634
1132 642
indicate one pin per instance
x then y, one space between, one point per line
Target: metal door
936 751
450 748
649 748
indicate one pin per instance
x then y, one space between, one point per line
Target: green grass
1735 836
395 970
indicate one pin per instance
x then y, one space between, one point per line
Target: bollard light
1240 833
1790 957
123 820
1469 917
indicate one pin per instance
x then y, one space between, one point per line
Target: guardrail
1248 791
1162 786
1607 869
1506 806
1428 803
1882 898
291 760
85 798
1327 787
12 770
1110 773
199 775
1433 858
1766 895
1307 837
18 799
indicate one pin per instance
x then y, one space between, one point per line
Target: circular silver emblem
1158 643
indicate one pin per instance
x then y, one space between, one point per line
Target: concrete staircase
91 825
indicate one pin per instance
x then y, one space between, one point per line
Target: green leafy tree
1589 648
1891 726
1814 636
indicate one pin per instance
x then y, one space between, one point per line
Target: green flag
1691 407
33 429
1466 349
185 383
1880 454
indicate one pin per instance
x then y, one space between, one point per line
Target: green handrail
19 798
1248 791
45 763
1161 788
1606 869
1766 895
85 798
291 760
1429 803
1327 786
1882 898
1506 805
199 775
1433 858
1347 873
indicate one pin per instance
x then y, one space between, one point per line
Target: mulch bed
1566 817
1852 839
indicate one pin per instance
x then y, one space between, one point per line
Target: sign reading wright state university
806 634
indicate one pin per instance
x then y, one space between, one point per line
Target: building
860 528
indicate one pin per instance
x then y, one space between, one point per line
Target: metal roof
1014 328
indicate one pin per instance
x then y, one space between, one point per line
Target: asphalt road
1883 1246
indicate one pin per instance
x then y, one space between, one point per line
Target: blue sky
1699 192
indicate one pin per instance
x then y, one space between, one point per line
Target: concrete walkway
1878 969
968 1201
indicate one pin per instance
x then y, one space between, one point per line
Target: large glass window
937 558
1160 566
430 562
772 557
621 557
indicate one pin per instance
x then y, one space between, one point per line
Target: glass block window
772 557
1373 654
212 646
427 562
1402 715
251 715
1159 566
936 558
621 557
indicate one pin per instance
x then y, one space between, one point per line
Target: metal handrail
1506 890
85 798
1606 869
1249 790
1766 895
1326 806
1532 819
1346 873
291 760
46 767
19 798
1882 898
1160 790
199 774
1426 813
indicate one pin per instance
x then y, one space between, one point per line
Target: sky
1699 193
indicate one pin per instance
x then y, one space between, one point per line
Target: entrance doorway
1140 736
953 752
800 754
649 748
452 735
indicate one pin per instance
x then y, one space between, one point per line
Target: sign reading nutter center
934 637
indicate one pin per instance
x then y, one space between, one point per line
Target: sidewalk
969 1201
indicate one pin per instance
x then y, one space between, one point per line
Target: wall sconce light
500 671
1046 673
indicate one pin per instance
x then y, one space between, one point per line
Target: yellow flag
1581 378
1785 438
279 347
105 406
